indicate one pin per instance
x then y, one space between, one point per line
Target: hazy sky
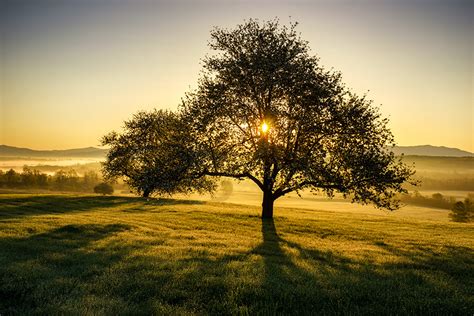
71 71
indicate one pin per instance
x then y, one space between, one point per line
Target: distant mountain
88 152
92 152
428 150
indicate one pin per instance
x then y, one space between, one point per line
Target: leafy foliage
462 211
104 188
266 110
62 180
321 135
154 154
437 200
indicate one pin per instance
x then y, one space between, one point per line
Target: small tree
103 188
154 154
266 110
462 211
12 178
91 178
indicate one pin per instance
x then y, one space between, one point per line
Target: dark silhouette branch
239 176
280 192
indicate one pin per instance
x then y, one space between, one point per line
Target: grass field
75 254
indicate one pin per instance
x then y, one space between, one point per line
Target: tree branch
235 176
280 192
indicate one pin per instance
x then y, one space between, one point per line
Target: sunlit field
80 254
247 193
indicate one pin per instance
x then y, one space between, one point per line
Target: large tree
266 110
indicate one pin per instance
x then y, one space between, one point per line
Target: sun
265 127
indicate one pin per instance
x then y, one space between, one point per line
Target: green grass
68 254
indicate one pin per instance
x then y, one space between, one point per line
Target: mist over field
194 249
453 177
50 165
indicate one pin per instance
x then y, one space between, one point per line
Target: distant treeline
62 180
436 200
442 173
446 164
465 183
461 211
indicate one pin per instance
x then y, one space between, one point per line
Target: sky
72 71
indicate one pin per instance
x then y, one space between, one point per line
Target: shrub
462 211
103 188
437 200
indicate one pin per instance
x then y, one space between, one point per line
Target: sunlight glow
265 127
114 69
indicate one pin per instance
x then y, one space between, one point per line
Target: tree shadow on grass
435 282
285 284
289 288
457 262
169 201
23 206
283 277
53 266
329 282
296 280
63 271
147 202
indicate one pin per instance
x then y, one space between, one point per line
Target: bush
103 188
437 200
462 211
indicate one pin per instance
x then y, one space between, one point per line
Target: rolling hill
428 150
423 150
10 151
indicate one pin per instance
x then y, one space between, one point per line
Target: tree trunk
146 193
267 205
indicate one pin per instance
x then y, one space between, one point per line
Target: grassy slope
119 255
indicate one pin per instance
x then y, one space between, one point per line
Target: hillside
461 165
91 152
10 151
428 150
69 254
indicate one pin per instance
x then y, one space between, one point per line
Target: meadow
87 254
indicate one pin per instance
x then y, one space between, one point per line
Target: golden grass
76 254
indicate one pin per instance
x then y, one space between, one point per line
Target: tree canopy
462 211
103 188
154 154
264 109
